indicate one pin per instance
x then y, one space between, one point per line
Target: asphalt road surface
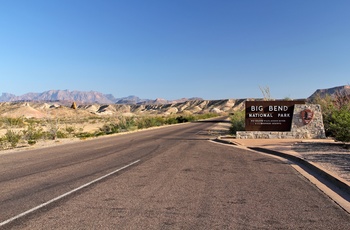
168 178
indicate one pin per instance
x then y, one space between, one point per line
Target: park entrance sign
269 115
282 120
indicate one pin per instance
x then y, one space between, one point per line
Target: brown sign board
269 115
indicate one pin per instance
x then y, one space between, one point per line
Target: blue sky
171 49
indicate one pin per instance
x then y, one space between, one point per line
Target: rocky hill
340 90
42 110
39 105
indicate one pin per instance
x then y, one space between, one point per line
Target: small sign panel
269 115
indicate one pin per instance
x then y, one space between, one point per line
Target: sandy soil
332 156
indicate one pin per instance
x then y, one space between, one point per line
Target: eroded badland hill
59 102
43 110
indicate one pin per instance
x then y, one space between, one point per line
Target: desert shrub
31 142
70 130
53 127
180 119
32 121
84 135
126 124
97 134
171 120
13 137
206 116
3 142
336 115
339 124
15 122
9 122
190 118
109 128
144 123
237 122
50 135
61 134
47 136
151 121
183 119
123 124
32 133
159 121
141 123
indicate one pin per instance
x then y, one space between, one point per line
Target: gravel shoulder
332 156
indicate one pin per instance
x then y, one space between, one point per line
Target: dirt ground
330 155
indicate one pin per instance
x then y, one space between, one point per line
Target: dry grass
38 123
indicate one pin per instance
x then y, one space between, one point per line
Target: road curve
182 181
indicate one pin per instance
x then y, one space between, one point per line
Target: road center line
64 195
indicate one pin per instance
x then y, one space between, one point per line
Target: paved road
182 181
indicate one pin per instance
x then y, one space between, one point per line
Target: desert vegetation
30 123
237 121
28 131
336 115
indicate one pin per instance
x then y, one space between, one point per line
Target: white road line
64 195
103 147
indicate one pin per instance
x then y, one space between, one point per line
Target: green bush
50 135
205 116
339 124
336 115
13 138
61 134
84 135
53 127
32 133
171 120
70 130
31 142
109 129
3 142
125 124
15 122
183 119
237 122
148 122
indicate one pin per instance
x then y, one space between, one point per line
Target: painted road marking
64 195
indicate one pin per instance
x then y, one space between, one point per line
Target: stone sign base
302 127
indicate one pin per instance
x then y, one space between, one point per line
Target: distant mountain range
39 105
92 97
61 95
89 97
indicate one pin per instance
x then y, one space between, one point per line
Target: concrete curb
328 177
343 186
224 141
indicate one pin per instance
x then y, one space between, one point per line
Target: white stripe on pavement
64 195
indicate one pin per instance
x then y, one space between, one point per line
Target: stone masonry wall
299 130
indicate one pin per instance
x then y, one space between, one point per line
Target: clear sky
170 49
